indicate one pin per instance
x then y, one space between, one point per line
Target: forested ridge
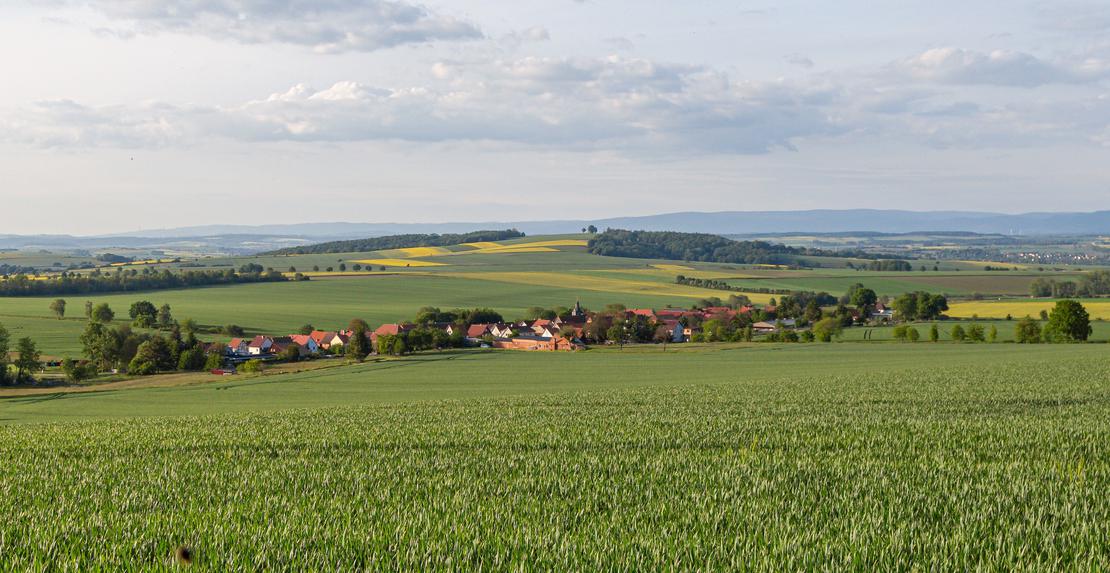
694 247
399 242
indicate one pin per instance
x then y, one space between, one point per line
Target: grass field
884 457
1100 330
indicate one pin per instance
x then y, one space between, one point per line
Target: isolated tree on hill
28 360
58 307
1027 331
1068 322
591 230
103 313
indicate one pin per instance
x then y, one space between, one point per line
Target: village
568 332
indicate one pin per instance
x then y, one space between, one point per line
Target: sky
122 115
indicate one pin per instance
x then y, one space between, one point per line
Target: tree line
1092 284
399 242
132 280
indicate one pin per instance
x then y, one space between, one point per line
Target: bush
252 366
192 359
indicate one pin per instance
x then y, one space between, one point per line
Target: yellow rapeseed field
1019 308
398 263
482 245
663 267
414 252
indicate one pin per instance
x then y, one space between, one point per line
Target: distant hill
723 222
255 238
399 242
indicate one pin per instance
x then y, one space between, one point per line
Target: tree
58 307
934 333
992 334
616 333
192 359
143 314
88 309
76 372
864 299
233 330
102 313
28 360
912 335
189 325
342 267
1068 322
4 338
1027 331
825 329
591 230
975 333
252 367
165 317
358 323
358 346
214 360
306 329
152 356
958 333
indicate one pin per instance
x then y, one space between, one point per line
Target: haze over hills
261 237
724 222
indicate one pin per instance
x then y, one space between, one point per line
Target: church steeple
578 312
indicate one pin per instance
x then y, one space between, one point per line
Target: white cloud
608 103
324 25
1001 68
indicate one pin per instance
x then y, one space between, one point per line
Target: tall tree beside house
358 323
864 299
58 307
359 345
28 360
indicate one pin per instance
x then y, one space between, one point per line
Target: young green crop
999 467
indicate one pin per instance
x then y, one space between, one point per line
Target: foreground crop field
848 458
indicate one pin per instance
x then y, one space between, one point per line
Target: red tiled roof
477 330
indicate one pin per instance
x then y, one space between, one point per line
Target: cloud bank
323 25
